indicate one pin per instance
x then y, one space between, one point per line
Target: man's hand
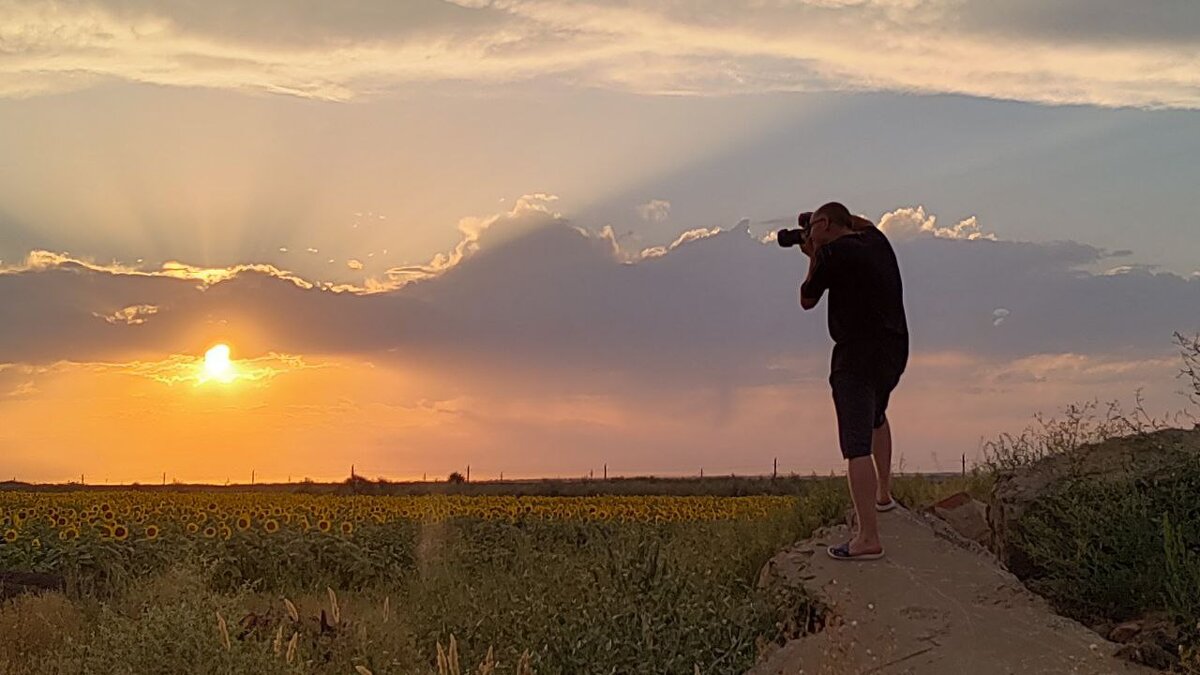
808 247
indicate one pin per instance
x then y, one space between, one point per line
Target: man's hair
837 213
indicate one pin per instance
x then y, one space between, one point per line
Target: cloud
527 289
174 369
907 223
1050 53
133 315
1096 370
1088 21
528 211
48 260
532 335
23 390
354 264
1139 268
690 235
655 210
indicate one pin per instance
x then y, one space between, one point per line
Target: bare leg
863 489
881 450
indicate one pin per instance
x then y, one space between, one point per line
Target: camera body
799 235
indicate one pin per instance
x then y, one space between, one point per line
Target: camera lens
787 237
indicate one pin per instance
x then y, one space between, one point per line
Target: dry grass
34 626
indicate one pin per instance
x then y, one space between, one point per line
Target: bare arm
809 302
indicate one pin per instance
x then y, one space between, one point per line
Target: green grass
1104 545
581 597
1106 551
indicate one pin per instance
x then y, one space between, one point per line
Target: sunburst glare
217 365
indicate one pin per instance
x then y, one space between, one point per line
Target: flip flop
842 552
887 506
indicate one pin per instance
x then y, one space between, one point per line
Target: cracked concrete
935 604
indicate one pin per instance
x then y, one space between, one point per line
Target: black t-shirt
866 303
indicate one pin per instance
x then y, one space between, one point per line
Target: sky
535 237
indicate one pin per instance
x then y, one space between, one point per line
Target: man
852 259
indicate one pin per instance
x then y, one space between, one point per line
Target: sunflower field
638 584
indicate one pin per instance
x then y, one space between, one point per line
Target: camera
797 236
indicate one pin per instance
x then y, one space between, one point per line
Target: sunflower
10 536
243 522
151 532
210 532
192 528
347 527
36 544
68 534
324 525
271 525
225 532
119 532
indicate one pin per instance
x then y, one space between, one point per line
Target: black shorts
861 402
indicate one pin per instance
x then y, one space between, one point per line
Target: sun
217 365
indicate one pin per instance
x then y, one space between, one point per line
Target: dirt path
933 605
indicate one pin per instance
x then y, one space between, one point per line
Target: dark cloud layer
339 51
540 294
1097 22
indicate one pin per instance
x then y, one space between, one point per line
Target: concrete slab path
934 604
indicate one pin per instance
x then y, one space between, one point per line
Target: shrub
1112 550
1189 349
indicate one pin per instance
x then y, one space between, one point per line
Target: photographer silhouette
852 259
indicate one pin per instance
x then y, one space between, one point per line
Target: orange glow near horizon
291 416
217 365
